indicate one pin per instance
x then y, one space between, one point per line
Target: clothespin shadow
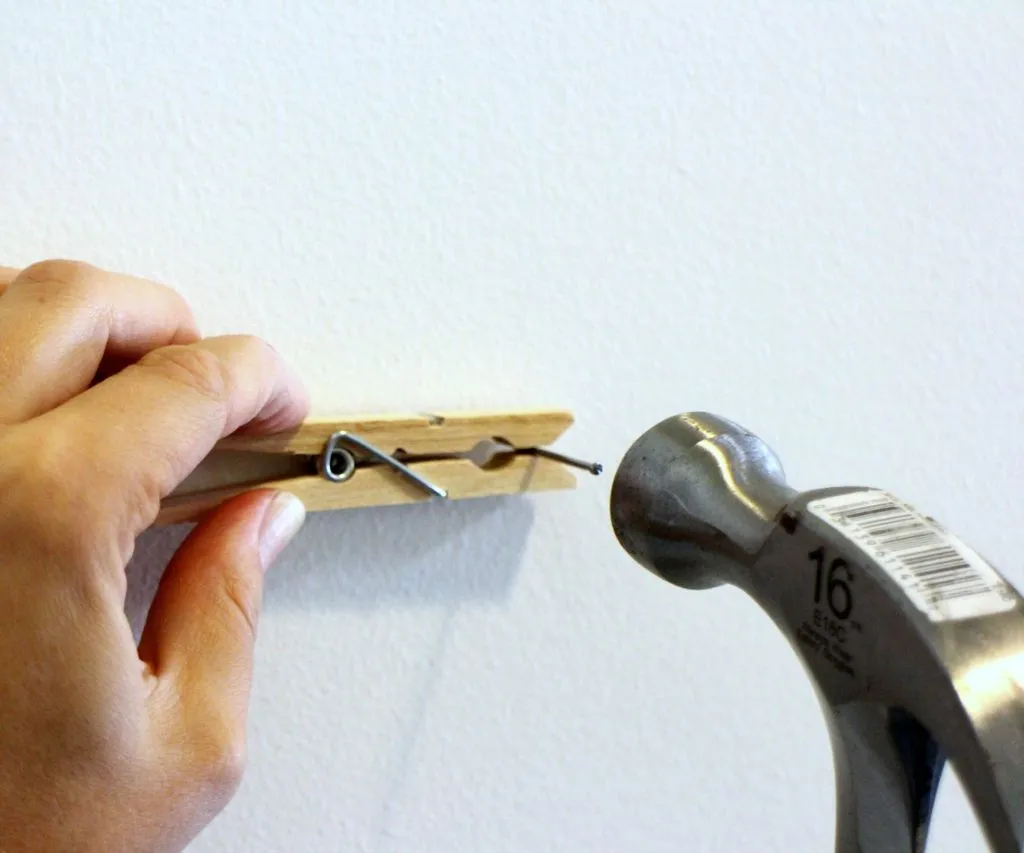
404 510
378 557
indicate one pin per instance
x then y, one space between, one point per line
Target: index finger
147 428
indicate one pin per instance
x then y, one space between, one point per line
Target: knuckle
93 729
221 759
21 455
199 370
252 348
35 469
45 471
60 274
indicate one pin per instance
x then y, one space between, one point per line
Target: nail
281 522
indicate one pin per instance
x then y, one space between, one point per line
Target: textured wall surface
808 219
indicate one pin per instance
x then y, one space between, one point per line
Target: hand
108 400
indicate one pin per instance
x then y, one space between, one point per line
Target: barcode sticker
939 573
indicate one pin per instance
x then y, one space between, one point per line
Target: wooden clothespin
386 460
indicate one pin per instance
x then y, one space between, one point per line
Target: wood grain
418 434
380 486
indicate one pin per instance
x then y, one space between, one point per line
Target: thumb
199 636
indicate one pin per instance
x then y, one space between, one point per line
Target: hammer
914 643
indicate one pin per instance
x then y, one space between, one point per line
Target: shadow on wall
386 557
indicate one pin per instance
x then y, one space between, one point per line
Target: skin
109 398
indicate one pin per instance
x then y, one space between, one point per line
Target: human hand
108 400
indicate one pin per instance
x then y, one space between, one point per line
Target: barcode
940 574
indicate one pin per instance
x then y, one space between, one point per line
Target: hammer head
696 496
914 644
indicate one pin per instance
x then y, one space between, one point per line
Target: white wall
806 217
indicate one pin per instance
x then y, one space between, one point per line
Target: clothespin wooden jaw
383 460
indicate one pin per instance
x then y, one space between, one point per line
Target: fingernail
282 521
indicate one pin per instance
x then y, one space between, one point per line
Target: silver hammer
914 642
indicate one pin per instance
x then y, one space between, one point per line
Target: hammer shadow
366 559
